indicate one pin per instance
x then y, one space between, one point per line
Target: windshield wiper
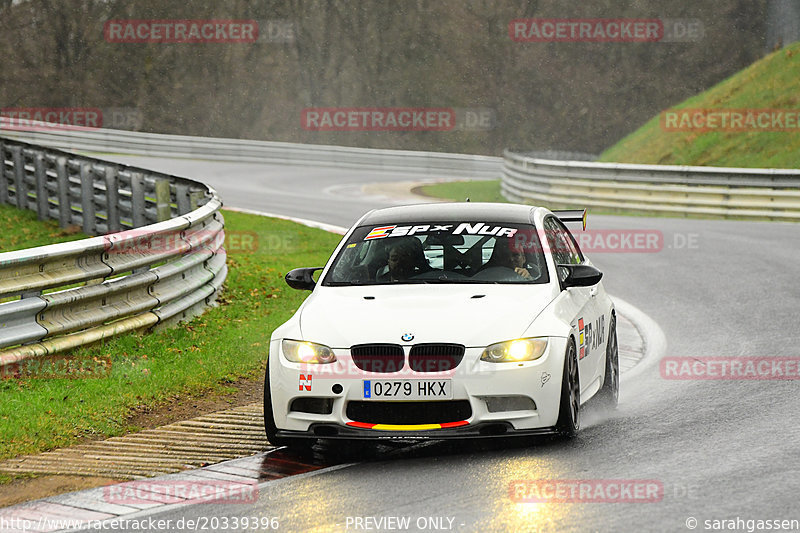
352 282
445 279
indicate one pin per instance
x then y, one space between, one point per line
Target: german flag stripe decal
361 425
408 427
379 233
454 424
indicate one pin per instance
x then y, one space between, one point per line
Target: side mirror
579 276
302 278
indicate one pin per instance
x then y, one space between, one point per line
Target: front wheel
608 396
569 411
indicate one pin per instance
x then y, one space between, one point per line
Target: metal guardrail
535 177
559 155
159 257
713 191
428 164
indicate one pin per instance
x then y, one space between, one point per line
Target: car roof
448 212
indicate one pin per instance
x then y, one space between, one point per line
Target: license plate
407 389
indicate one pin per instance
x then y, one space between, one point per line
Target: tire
569 410
271 429
608 396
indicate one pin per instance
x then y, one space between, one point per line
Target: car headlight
515 351
307 352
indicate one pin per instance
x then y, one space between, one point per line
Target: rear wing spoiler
572 215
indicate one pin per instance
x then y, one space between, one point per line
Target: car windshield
440 252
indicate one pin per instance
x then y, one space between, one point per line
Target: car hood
472 315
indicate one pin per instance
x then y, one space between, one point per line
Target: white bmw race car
444 320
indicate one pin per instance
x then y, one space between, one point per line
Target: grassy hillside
372 53
770 83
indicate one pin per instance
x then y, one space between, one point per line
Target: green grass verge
770 83
201 357
22 229
458 191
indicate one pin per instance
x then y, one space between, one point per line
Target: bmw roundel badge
407 337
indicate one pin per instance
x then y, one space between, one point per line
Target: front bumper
470 431
537 383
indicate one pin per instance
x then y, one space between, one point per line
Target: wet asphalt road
719 450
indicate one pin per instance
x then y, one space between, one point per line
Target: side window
564 248
576 257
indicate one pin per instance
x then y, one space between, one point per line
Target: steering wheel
535 270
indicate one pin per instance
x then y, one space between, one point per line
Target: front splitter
482 430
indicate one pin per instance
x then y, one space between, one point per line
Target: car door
589 321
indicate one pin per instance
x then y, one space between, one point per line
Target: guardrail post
194 199
62 186
112 199
163 209
19 177
87 199
3 174
137 200
42 206
182 198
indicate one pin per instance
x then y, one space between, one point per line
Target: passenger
400 264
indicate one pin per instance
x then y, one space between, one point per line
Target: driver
509 255
517 261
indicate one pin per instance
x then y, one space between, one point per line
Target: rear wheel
608 396
569 411
269 422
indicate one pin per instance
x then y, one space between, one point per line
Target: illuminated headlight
515 351
307 352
